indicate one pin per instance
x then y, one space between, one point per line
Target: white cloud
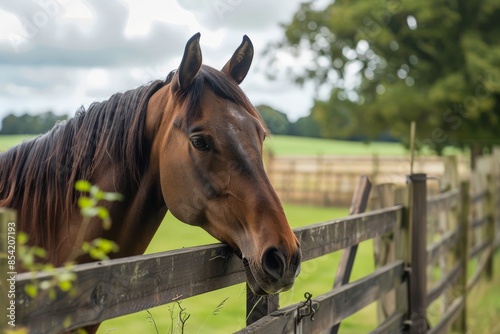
59 54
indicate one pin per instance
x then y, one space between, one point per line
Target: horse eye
199 143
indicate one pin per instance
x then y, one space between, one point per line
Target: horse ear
237 67
191 62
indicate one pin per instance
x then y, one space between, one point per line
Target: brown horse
191 144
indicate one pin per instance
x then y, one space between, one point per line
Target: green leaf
31 290
22 238
83 186
98 194
86 247
65 285
106 245
28 259
48 268
85 202
102 212
40 252
98 254
52 294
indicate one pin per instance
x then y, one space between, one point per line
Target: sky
61 54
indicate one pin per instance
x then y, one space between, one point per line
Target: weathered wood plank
333 306
394 322
478 249
449 316
109 289
472 281
392 325
442 246
448 281
444 201
334 235
490 227
385 247
478 222
480 196
358 205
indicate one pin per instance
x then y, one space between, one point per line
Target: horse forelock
221 84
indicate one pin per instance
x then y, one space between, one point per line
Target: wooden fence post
260 306
417 282
358 205
384 247
462 249
496 186
491 223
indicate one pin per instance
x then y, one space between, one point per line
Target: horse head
207 147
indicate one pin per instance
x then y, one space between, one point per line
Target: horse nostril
273 263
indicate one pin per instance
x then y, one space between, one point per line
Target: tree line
308 126
277 122
30 124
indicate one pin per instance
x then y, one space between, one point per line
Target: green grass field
289 145
7 142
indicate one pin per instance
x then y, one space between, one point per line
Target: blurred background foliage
387 63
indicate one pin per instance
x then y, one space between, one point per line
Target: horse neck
137 217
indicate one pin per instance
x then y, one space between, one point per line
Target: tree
276 121
388 63
306 127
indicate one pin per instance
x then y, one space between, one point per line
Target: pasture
7 141
290 145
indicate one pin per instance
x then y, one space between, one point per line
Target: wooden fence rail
331 180
443 234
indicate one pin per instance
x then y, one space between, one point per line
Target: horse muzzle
275 273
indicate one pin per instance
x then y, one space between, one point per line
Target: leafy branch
31 257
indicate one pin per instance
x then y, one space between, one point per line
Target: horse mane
37 177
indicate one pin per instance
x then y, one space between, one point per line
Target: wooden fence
331 180
425 248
